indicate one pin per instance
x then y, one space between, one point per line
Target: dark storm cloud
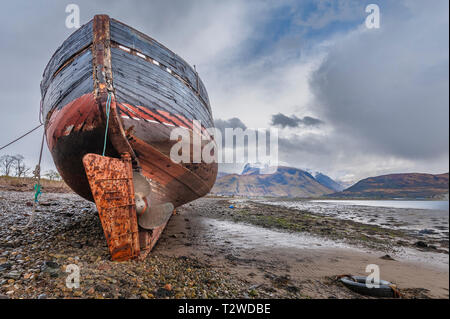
283 121
388 88
230 123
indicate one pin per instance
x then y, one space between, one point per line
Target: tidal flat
208 250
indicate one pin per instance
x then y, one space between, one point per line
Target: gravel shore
191 260
67 231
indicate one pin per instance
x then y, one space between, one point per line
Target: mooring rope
37 186
22 136
37 171
108 108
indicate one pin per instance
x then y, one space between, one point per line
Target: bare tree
19 166
22 170
7 164
52 175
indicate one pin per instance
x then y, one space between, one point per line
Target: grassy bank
26 184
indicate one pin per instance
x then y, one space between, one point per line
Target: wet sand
259 255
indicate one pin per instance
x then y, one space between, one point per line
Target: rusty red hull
78 129
151 90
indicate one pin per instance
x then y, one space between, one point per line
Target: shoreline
312 268
203 253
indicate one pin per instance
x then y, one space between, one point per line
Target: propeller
149 217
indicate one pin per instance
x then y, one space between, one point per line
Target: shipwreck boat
110 98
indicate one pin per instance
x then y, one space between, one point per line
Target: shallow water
409 216
249 236
244 236
416 204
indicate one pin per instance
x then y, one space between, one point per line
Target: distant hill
408 185
285 182
221 174
328 182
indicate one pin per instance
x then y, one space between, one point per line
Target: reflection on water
249 236
416 204
244 236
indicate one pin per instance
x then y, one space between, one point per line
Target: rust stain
103 85
111 182
68 129
165 170
82 113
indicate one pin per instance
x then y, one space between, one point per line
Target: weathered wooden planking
78 40
136 40
70 83
138 82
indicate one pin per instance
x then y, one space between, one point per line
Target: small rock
51 264
421 244
13 275
292 289
28 275
161 293
102 288
387 257
51 268
168 287
427 232
42 296
5 266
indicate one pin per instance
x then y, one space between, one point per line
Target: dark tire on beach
358 285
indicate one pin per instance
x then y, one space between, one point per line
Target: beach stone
162 293
5 266
13 275
292 289
102 288
51 268
421 244
168 287
387 257
427 232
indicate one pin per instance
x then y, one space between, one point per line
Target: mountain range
294 182
328 182
407 185
285 182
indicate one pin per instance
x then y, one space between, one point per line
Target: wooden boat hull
151 91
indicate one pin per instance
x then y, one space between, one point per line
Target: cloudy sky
348 101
